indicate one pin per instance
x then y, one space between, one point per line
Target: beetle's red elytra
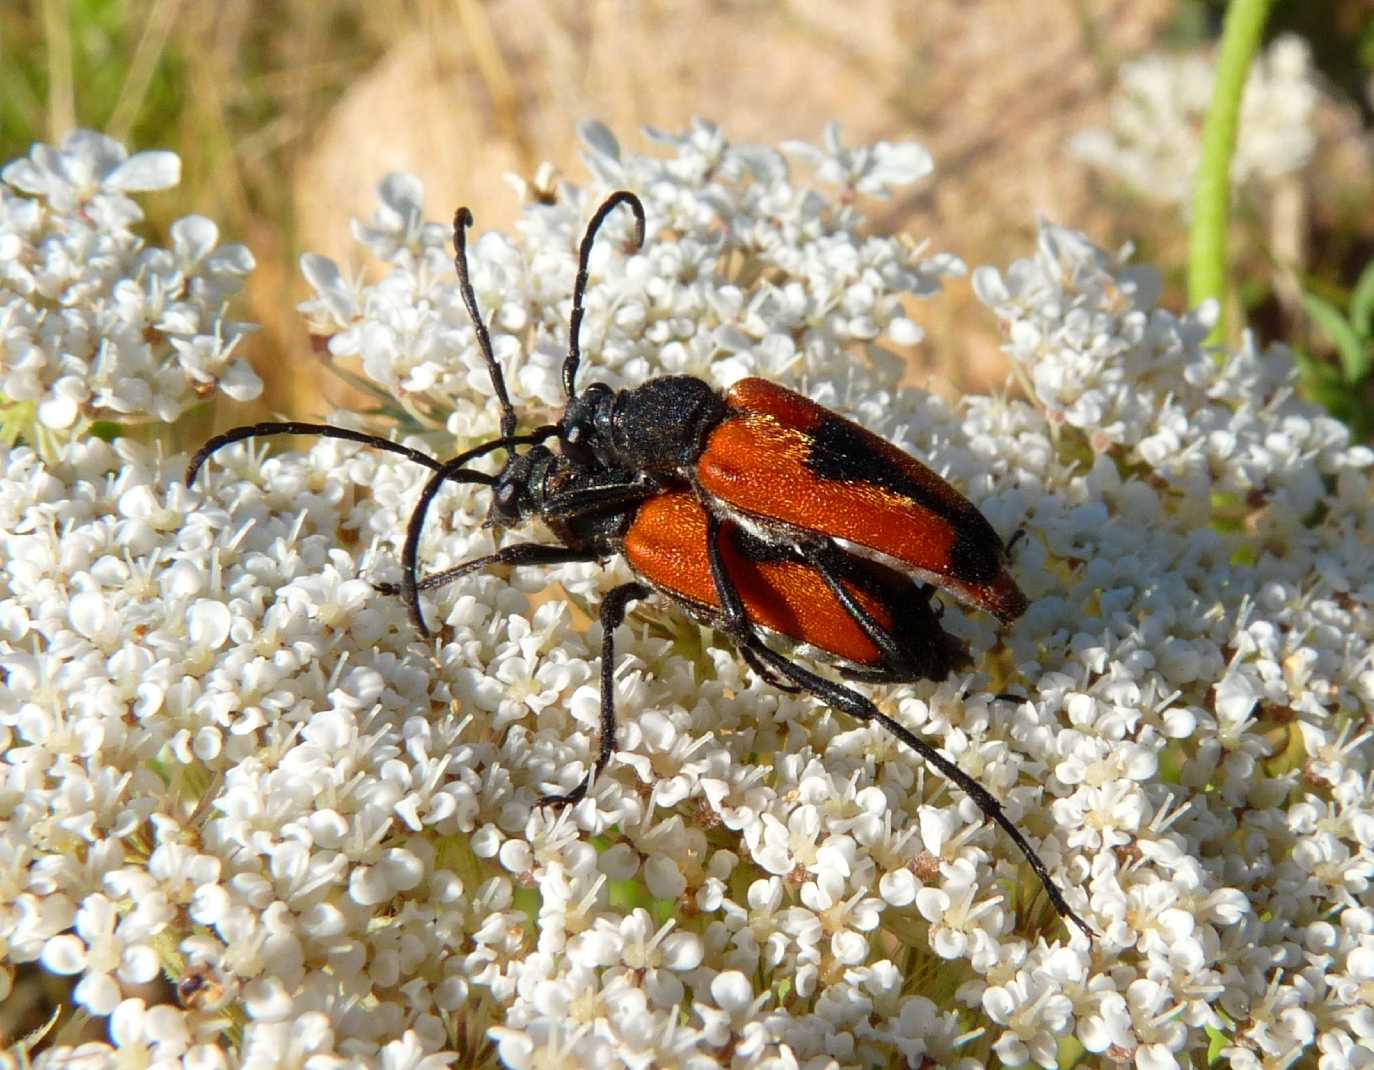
780 458
783 593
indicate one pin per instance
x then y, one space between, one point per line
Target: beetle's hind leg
854 704
857 706
899 662
894 660
767 675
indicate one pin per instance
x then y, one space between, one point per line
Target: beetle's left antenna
461 221
584 256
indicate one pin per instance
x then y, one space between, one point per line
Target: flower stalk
1207 263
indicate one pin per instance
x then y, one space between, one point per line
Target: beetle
674 476
779 463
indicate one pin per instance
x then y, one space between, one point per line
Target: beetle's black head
517 493
584 430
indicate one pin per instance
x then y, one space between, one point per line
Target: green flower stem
1240 37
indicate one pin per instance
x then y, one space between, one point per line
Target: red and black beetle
745 509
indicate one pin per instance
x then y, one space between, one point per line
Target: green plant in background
1343 388
117 68
1207 265
236 90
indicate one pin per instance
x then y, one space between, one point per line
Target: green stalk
1240 37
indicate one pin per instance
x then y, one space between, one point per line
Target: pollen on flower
231 762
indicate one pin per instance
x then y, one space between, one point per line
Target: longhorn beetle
739 508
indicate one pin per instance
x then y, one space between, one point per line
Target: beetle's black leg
578 503
521 553
612 615
884 675
607 497
898 667
295 427
767 675
611 496
851 702
876 633
854 704
928 651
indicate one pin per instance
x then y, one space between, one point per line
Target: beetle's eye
506 494
573 436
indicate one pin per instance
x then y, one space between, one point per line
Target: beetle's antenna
462 219
584 255
293 427
454 472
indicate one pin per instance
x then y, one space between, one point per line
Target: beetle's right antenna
584 255
462 219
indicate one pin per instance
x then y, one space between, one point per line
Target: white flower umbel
94 323
1153 138
225 754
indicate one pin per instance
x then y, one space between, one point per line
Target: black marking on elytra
841 453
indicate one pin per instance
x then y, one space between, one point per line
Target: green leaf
1362 304
1354 353
1324 384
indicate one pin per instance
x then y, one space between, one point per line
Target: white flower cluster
94 323
226 758
1153 139
1203 624
813 283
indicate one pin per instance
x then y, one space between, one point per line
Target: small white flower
159 1032
94 323
105 950
1153 138
870 170
86 165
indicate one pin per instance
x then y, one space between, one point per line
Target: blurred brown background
287 114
